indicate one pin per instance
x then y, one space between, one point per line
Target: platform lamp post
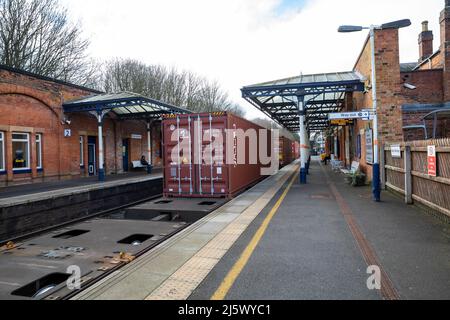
376 184
100 114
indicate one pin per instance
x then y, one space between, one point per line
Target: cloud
240 42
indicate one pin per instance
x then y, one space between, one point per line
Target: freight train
217 155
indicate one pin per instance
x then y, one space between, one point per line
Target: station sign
341 122
136 136
350 115
432 163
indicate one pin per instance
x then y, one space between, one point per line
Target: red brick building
406 92
39 142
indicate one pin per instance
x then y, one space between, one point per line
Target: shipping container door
211 171
178 168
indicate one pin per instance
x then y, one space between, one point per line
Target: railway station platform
30 207
283 240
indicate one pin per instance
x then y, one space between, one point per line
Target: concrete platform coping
23 199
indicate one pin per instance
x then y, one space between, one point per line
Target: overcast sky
242 42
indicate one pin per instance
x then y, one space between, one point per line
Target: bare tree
36 35
179 88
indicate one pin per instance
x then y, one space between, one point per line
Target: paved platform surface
318 245
175 268
31 188
321 240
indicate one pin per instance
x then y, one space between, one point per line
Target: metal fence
408 174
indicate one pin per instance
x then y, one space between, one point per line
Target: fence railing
408 174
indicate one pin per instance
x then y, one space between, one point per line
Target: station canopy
443 113
322 93
124 105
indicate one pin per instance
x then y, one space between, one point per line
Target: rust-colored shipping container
286 155
296 150
192 168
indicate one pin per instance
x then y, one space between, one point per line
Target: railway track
25 253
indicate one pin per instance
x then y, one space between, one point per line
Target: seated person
144 162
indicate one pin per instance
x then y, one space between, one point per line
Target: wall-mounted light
409 86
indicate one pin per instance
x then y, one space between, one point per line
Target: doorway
92 159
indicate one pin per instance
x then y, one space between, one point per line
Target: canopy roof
125 105
323 94
438 114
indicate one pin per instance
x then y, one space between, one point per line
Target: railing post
408 175
383 167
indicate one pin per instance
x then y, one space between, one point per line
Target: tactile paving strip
185 280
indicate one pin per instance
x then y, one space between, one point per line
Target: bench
353 169
137 165
336 165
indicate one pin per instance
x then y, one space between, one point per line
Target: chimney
425 42
445 48
444 20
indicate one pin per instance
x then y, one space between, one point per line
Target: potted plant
356 179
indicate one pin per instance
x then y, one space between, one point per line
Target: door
126 154
178 156
92 161
212 174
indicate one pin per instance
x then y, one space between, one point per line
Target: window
2 152
81 151
21 151
39 151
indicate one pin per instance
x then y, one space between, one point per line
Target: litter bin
149 169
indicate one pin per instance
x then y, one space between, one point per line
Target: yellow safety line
235 271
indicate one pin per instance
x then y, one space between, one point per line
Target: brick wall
388 90
33 105
445 49
428 83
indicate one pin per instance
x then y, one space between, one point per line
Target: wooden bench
354 168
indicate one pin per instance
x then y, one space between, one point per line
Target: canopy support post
101 154
303 142
149 146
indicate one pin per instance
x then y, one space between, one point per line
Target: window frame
2 142
39 166
28 168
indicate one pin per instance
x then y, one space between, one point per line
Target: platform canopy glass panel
434 117
125 105
322 94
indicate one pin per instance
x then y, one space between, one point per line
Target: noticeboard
396 151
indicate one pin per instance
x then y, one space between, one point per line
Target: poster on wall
369 146
396 151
